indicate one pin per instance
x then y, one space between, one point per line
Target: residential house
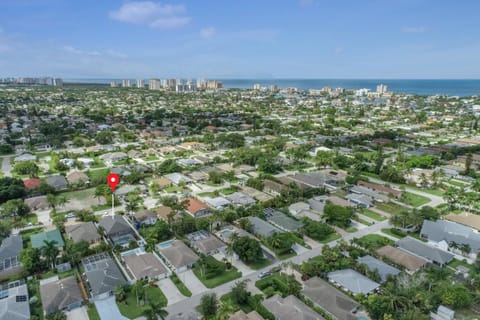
163 212
38 239
240 199
384 270
32 183
101 275
289 308
147 217
256 194
197 208
451 236
352 281
376 196
426 251
360 200
14 304
117 229
205 243
381 188
85 231
162 182
60 294
241 315
77 177
273 187
330 299
177 178
37 203
282 221
402 258
217 203
10 256
58 182
339 201
145 266
466 219
262 228
178 255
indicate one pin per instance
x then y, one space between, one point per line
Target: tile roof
402 258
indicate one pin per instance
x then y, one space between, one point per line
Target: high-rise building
214 84
273 88
257 86
58 82
126 83
382 88
113 84
140 83
154 84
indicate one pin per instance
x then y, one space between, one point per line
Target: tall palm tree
154 311
50 251
226 309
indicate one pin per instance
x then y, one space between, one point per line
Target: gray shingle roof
57 295
353 281
424 250
178 254
11 247
290 308
10 309
263 228
330 299
281 220
451 232
83 231
103 275
384 270
115 224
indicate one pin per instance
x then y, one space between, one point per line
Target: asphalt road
187 306
6 167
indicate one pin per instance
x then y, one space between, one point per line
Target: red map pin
113 179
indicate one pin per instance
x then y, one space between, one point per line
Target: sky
358 39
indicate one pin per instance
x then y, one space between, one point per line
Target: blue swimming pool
133 251
166 244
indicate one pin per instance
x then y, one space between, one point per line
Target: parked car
264 274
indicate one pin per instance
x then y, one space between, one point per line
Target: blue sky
240 39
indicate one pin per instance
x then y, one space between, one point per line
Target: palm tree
120 293
226 309
154 311
50 251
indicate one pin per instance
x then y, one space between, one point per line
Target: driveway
108 309
77 314
170 290
192 282
44 217
299 249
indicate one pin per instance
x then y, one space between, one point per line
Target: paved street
188 306
6 167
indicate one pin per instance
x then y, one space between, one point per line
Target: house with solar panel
10 256
14 301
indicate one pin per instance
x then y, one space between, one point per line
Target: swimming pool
133 251
166 244
226 232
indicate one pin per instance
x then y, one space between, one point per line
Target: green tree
154 311
29 168
208 305
240 293
11 188
338 215
248 249
50 251
57 315
31 259
14 208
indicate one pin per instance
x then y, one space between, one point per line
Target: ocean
421 87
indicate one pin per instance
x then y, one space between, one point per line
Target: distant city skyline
295 39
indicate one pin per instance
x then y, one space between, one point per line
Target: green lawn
362 221
392 234
457 183
332 237
373 215
207 194
373 241
391 207
413 199
175 189
455 263
131 310
151 158
435 192
259 264
351 229
98 173
228 191
92 312
276 283
180 286
222 278
80 194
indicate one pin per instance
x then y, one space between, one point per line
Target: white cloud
153 14
116 54
74 50
208 32
420 29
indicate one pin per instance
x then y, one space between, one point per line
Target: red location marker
113 179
